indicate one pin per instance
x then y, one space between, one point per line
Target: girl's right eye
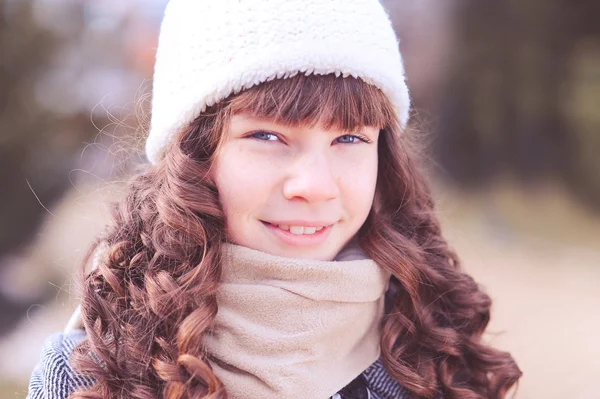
264 136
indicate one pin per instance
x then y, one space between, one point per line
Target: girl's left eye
351 139
264 136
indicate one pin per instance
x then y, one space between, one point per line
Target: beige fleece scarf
292 328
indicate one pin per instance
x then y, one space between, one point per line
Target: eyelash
360 137
254 134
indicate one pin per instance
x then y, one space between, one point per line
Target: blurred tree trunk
506 103
580 96
37 146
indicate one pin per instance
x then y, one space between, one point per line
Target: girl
282 243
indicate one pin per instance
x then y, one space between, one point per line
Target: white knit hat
209 49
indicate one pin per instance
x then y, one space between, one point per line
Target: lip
297 222
296 239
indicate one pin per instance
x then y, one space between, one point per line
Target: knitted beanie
210 49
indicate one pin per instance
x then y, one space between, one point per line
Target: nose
311 180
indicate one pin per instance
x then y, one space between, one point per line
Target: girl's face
295 192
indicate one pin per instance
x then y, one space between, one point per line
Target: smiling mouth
298 230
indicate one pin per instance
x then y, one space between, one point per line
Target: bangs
346 104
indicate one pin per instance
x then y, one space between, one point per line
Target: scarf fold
295 328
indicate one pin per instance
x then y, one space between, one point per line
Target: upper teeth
300 229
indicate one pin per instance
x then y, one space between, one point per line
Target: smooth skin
269 175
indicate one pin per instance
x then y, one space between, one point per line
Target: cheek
242 184
357 183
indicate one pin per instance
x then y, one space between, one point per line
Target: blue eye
351 139
264 136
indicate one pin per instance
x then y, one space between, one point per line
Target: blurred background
506 93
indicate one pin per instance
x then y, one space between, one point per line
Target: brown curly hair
152 297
